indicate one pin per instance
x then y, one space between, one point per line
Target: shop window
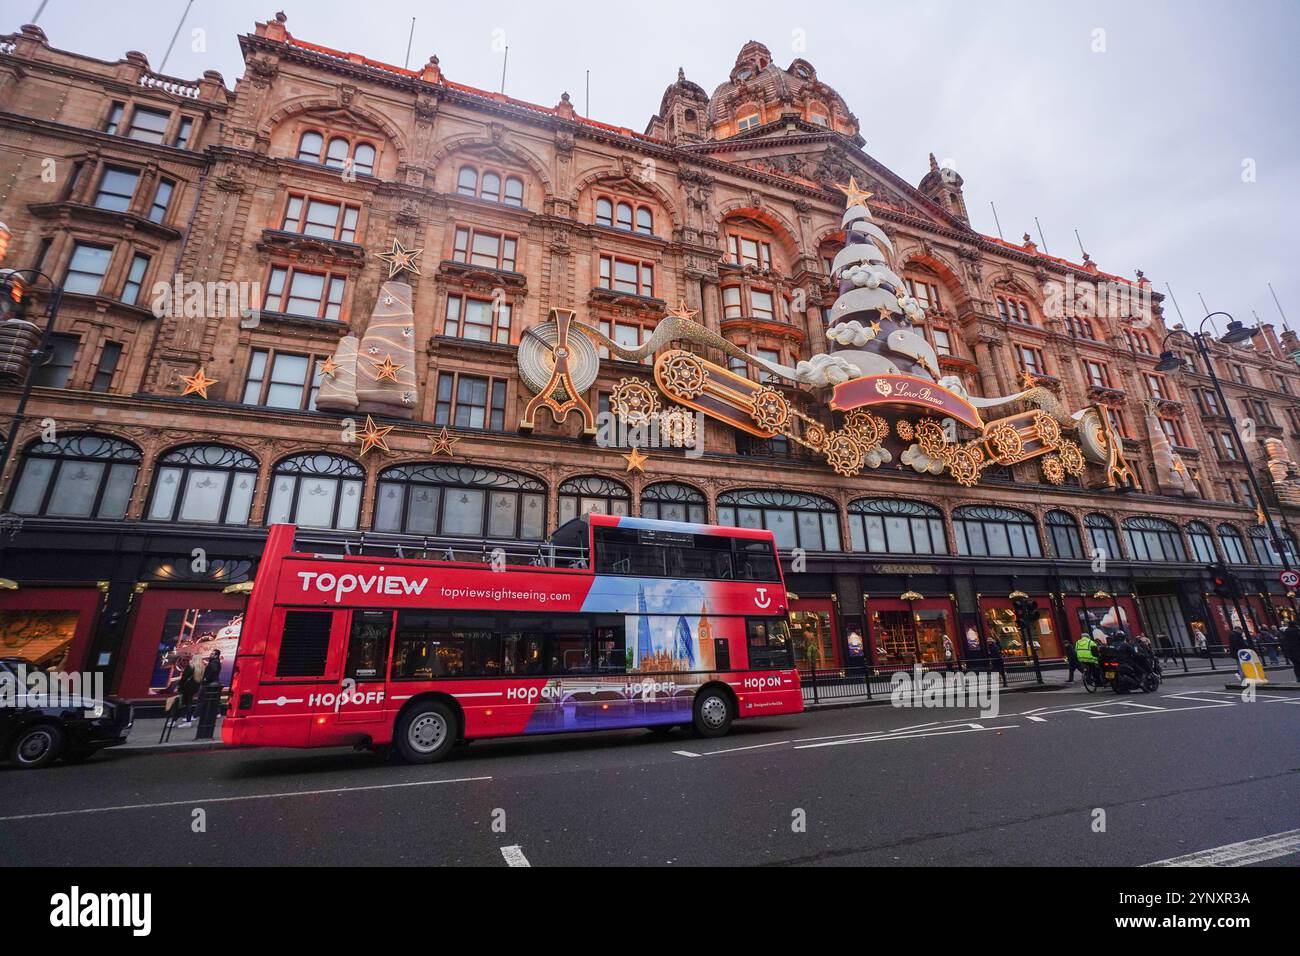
1153 539
1202 539
914 636
1102 537
208 484
795 520
1261 542
116 189
814 639
892 526
316 491
592 494
282 379
470 401
436 499
991 532
77 476
673 501
1064 532
478 247
1037 639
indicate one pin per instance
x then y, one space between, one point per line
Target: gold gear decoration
965 462
1053 470
685 375
815 436
844 454
930 438
770 410
634 401
905 429
677 425
1047 428
1006 441
1071 457
868 430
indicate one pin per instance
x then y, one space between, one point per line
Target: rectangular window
1098 374
116 188
480 320
282 380
731 307
304 644
109 357
1031 359
311 294
1210 403
135 279
183 132
750 252
470 401
925 293
320 218
86 268
368 646
1172 431
1118 422
114 121
942 341
491 249
57 369
162 198
763 304
1227 449
769 645
627 275
147 125
1156 386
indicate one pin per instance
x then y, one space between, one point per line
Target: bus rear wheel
712 713
425 733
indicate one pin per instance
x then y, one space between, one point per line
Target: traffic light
1225 582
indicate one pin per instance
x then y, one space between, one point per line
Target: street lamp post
1169 362
10 281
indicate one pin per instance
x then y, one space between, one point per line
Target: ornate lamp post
13 287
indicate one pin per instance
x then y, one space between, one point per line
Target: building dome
757 92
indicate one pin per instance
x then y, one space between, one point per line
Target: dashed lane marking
202 801
1244 853
972 729
514 856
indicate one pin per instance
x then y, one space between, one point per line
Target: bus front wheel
425 733
712 713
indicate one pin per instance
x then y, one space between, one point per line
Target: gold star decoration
1028 379
440 444
400 259
875 327
386 369
856 195
635 460
197 384
328 367
885 311
373 436
682 312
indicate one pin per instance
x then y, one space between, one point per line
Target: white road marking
733 750
685 753
1172 710
1240 854
878 738
1038 720
195 802
514 856
860 733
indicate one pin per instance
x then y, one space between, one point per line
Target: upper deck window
653 553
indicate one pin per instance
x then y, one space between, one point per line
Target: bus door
365 667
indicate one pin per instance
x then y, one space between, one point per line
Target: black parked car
36 734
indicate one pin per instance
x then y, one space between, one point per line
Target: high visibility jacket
1085 649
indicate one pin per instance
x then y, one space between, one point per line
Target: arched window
309 146
645 221
363 159
514 191
583 495
467 181
1261 542
604 212
76 476
490 188
1153 539
459 501
1234 549
1064 532
204 483
316 491
672 501
987 531
624 215
796 520
336 155
889 526
1102 539
1202 539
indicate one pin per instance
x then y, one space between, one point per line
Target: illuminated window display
903 638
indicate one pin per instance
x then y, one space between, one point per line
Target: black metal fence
823 685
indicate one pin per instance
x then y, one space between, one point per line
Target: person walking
1291 646
995 654
1072 659
188 686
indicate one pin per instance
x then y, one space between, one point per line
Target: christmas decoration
197 384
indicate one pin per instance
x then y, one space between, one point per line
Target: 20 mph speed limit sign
1289 579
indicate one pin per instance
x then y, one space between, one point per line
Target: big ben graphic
704 634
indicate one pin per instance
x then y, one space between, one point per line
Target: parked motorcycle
1128 668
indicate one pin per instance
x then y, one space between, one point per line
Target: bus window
755 561
368 645
768 642
568 654
611 652
709 557
521 653
304 644
721 654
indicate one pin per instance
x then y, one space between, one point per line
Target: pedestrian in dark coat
1071 659
212 672
1291 646
188 686
1237 641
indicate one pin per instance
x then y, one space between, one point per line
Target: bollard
209 705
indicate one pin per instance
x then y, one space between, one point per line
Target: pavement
1062 778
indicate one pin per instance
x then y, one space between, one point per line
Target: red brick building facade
274 197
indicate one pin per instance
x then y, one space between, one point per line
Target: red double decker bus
615 622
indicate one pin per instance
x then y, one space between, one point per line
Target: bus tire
713 712
426 732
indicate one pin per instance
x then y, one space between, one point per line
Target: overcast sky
1135 123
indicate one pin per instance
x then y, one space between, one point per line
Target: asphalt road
1188 769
